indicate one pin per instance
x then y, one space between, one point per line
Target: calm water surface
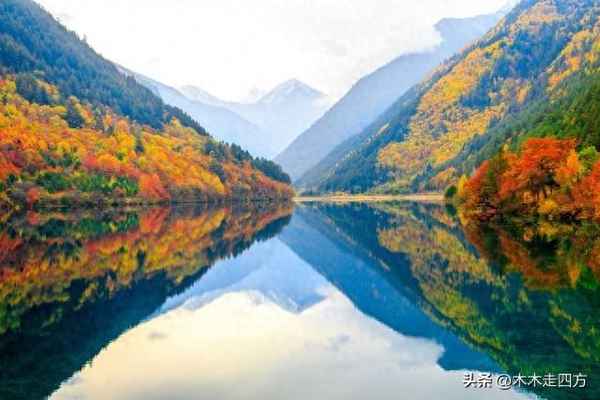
357 301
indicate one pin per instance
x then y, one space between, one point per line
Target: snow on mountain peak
194 93
291 89
253 96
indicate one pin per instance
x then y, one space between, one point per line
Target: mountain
76 131
437 131
373 283
254 95
501 301
65 318
374 93
281 114
293 285
33 41
196 94
222 123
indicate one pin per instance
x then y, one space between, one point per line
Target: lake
318 301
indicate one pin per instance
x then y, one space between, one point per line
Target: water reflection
502 304
257 339
71 283
339 302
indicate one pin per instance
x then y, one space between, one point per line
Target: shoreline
417 197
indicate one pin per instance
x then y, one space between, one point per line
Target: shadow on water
499 299
72 283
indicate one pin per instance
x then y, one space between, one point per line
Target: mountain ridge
62 57
77 132
281 114
271 122
374 93
288 88
525 58
221 122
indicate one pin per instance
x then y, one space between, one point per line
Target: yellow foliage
461 79
175 158
571 171
543 12
441 125
548 207
443 179
447 117
461 187
581 51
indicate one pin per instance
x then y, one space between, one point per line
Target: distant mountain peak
195 93
510 4
450 27
253 96
292 88
278 116
314 151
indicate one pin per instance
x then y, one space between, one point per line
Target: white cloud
229 47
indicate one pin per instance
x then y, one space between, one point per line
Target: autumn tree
535 170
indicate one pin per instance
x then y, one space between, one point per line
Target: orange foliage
586 194
170 165
547 178
535 170
177 243
33 195
151 187
7 168
521 261
474 186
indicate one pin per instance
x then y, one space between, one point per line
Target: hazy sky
229 47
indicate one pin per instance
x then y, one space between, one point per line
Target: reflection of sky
269 268
247 331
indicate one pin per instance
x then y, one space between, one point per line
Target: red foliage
586 194
16 158
151 187
473 188
33 195
536 168
154 220
545 178
7 168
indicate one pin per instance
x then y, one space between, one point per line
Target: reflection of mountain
370 284
270 270
526 329
70 284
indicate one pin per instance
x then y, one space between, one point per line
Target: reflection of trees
548 256
440 262
557 264
71 283
532 304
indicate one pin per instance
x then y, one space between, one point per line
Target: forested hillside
31 41
374 93
70 154
548 166
223 124
75 131
478 101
